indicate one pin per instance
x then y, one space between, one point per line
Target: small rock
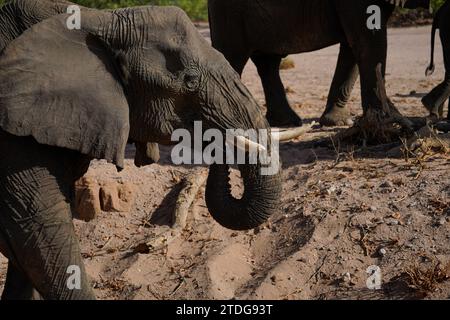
393 222
116 197
409 245
373 208
331 190
87 202
289 90
382 252
273 279
347 277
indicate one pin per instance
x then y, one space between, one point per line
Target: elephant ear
63 87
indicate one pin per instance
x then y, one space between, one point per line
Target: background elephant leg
227 36
369 56
435 100
345 76
36 187
146 154
18 286
369 46
237 61
279 112
448 111
233 49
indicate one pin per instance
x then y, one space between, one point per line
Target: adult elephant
70 96
267 30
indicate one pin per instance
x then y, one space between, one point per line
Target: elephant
435 100
265 31
68 96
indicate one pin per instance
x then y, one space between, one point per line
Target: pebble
347 277
383 252
331 190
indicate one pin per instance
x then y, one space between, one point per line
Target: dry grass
426 280
287 63
440 207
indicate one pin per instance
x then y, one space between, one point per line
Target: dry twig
191 185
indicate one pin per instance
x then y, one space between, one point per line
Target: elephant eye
192 80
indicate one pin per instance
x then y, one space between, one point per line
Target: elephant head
135 74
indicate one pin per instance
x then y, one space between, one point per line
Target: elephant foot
336 117
289 119
432 118
381 121
436 112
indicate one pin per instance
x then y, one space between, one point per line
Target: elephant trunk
259 201
229 105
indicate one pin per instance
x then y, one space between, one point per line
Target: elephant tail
430 69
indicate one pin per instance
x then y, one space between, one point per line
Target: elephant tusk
245 144
289 134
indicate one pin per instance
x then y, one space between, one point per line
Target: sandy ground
340 214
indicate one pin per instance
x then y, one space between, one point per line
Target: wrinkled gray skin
435 100
268 30
68 96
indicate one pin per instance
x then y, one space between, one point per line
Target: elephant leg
237 61
368 59
36 187
279 112
345 76
146 154
369 47
435 100
448 111
18 286
227 36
